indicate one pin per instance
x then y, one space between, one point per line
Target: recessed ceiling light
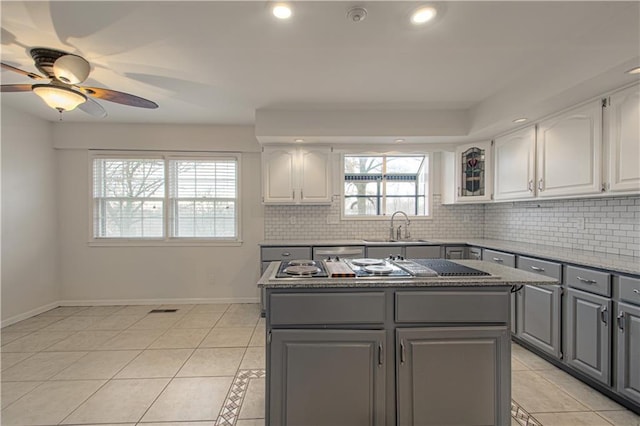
399 140
423 15
635 70
298 140
281 11
520 120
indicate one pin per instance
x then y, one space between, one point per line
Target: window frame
167 239
385 217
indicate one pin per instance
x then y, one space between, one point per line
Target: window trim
428 198
167 240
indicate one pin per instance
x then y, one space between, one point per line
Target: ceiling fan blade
15 88
119 97
31 75
91 107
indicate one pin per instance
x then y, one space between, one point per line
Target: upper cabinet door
569 153
278 174
473 172
515 162
315 175
623 113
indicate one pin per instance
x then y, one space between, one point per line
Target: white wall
30 278
138 274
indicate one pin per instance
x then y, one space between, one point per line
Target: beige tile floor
119 364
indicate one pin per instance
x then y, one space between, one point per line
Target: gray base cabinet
588 340
540 320
335 377
628 362
443 369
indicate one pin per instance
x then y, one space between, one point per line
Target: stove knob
337 259
329 259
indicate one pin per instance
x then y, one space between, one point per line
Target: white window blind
203 198
128 198
170 197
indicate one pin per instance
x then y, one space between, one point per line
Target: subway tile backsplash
607 225
311 222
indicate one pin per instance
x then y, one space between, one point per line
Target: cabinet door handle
603 314
380 354
530 185
636 291
293 194
621 320
301 194
459 192
402 353
286 254
497 259
535 268
540 185
585 280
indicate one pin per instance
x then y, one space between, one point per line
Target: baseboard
102 302
176 301
33 312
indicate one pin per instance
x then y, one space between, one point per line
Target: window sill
163 243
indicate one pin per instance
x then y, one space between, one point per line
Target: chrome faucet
398 233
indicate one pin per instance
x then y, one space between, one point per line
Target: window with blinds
166 197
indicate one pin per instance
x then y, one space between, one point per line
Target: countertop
505 276
591 259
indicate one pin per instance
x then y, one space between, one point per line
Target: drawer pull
402 353
497 259
636 291
535 268
286 254
621 320
603 314
587 281
380 354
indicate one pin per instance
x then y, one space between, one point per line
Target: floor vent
162 311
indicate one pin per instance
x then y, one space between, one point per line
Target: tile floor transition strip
231 408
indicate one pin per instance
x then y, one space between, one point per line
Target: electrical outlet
579 221
292 220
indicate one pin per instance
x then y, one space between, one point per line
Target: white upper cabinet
292 175
623 141
569 153
515 165
467 174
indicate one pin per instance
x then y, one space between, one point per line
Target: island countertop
501 276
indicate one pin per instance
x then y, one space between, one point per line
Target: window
165 197
378 185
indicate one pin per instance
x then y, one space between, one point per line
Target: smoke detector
357 14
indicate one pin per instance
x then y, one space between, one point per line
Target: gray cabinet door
331 377
540 319
629 351
455 252
442 369
588 340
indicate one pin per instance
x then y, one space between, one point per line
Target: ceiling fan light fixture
58 97
71 69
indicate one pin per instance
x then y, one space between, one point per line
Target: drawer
326 308
506 259
452 306
270 254
630 290
321 253
542 267
588 280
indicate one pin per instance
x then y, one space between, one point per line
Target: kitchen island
390 351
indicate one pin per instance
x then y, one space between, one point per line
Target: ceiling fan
65 71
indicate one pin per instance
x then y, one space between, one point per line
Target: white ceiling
212 62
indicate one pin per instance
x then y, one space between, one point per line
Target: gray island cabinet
413 351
